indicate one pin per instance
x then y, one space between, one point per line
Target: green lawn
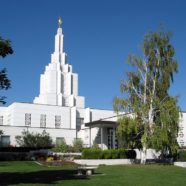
29 173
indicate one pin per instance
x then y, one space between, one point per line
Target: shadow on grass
42 177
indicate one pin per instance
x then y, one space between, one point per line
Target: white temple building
61 112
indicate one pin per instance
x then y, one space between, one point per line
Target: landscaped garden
58 166
30 173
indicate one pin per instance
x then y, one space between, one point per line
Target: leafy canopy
154 118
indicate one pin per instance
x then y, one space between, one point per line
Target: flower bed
54 163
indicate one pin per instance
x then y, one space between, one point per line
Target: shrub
182 156
115 154
21 149
78 145
61 147
122 154
107 154
92 154
95 146
28 139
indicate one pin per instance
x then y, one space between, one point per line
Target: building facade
61 112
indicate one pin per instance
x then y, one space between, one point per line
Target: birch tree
153 122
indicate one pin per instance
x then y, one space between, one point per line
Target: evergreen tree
154 118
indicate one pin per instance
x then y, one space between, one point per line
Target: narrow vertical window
79 122
43 120
28 119
57 121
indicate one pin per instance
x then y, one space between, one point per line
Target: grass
29 173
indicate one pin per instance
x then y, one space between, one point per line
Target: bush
122 154
61 147
78 145
21 149
182 156
13 156
107 154
92 154
115 154
95 146
28 139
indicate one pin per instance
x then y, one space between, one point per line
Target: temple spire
58 84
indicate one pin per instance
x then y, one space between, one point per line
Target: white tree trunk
143 155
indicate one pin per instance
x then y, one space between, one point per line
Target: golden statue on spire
59 22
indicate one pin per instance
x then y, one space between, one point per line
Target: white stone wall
97 114
18 111
14 115
12 131
182 130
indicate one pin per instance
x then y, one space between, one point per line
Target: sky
98 35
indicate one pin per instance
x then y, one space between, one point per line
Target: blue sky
98 35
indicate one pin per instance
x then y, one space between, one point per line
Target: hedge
22 149
108 154
92 154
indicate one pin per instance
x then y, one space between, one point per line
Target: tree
28 139
154 114
5 49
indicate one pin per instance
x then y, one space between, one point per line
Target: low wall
107 161
151 154
180 164
68 153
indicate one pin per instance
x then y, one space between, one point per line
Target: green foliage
28 139
115 153
95 146
182 156
62 147
122 154
108 154
152 115
78 145
5 49
166 127
92 154
127 132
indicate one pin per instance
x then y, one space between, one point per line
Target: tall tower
58 85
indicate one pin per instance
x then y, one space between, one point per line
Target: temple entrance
107 129
112 138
